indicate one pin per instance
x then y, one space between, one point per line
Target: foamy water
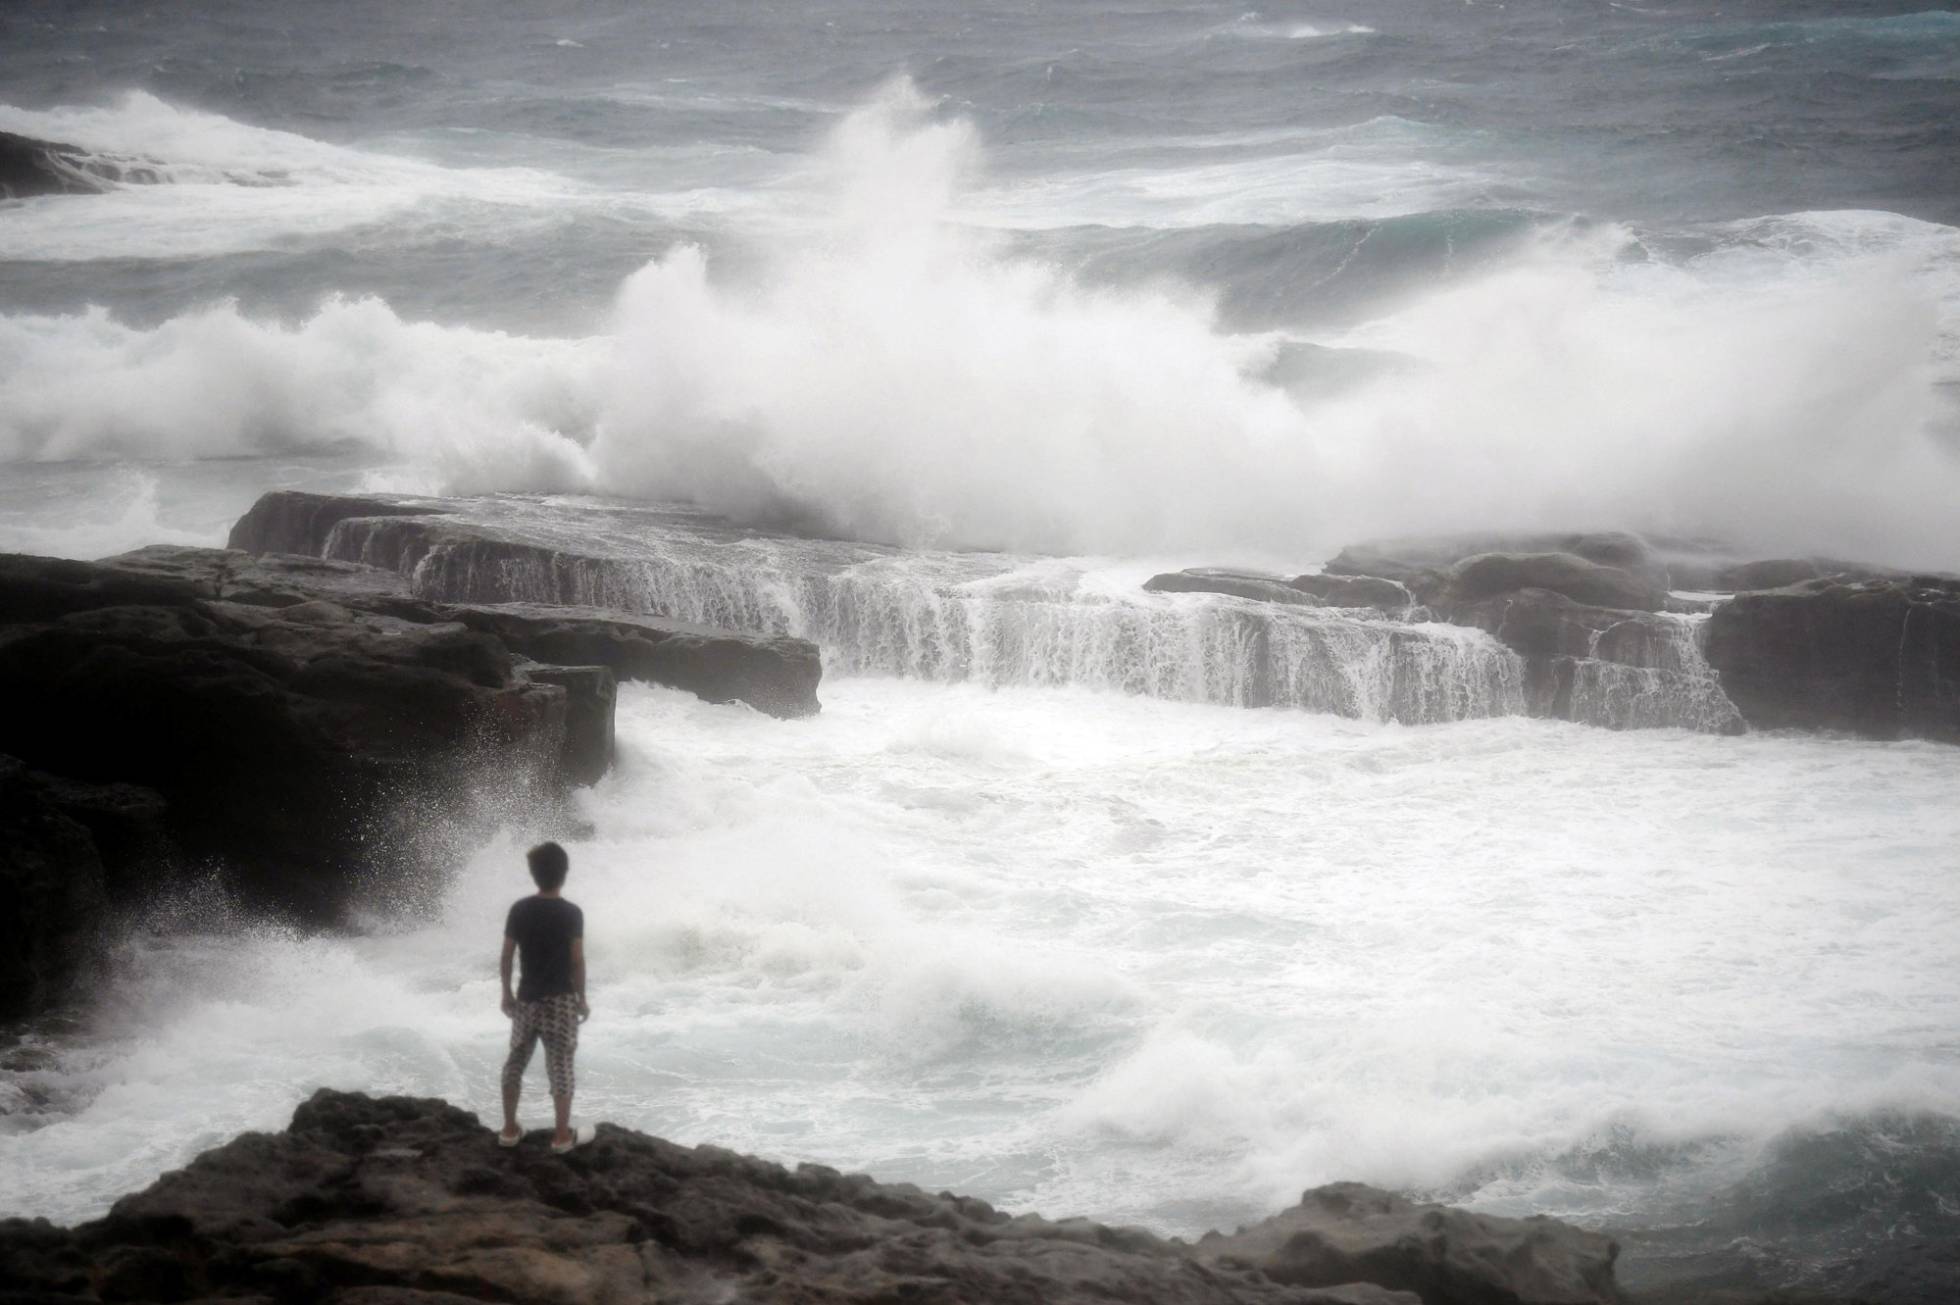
1152 961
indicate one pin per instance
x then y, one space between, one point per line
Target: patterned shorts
555 1020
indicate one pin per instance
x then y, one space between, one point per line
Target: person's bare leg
511 1093
562 1103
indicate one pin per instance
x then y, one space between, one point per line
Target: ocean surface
1135 286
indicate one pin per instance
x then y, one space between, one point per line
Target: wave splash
891 372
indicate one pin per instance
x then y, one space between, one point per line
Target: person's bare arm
503 972
578 976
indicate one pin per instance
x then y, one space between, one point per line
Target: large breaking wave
889 368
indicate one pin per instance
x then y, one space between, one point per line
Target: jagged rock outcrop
776 675
591 692
1612 667
1348 1232
1879 658
394 1201
30 167
309 747
52 879
68 851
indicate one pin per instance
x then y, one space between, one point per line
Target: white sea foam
461 405
1256 26
110 513
214 186
901 379
889 370
1329 181
1156 961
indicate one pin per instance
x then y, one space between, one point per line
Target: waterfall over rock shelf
992 618
1001 619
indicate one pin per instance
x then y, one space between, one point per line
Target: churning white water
1150 960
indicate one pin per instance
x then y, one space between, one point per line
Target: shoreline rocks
1236 584
397 1201
1877 657
775 674
1299 591
30 168
307 727
537 600
309 748
1788 643
1349 1232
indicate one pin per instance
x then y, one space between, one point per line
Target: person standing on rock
546 934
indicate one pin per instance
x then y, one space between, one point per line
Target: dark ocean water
1673 118
1188 282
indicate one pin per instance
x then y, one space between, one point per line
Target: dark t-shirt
544 928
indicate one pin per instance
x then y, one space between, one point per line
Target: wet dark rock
310 725
1610 667
1487 575
545 604
306 747
56 895
1776 573
295 521
72 850
268 580
1347 1232
43 588
776 675
398 1200
590 695
1236 584
1724 573
1300 591
1356 591
1708 566
1880 658
1623 666
30 167
1425 563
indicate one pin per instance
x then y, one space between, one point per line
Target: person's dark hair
548 865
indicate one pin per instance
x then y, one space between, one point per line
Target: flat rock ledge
777 675
1788 643
397 1201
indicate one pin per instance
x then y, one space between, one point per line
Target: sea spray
1169 962
881 367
